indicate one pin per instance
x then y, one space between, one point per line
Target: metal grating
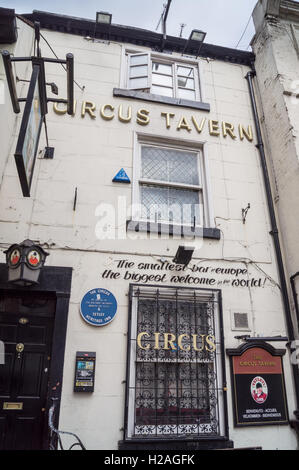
176 388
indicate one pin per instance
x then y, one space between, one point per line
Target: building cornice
127 34
289 10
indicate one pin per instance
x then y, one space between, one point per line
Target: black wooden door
26 328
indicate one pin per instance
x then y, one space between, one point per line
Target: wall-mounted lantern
25 261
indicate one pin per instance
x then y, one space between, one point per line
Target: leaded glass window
170 186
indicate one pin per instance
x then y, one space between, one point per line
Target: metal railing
55 434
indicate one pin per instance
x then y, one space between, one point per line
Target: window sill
173 230
141 95
191 443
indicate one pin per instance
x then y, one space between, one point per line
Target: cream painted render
88 154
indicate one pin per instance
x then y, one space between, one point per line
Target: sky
224 21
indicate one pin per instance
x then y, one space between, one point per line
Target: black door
26 328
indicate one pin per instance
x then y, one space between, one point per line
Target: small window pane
180 206
138 82
185 71
186 94
169 165
139 59
161 80
159 90
186 82
162 68
139 71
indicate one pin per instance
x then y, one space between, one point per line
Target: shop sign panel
27 144
258 388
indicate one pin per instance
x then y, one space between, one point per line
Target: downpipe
275 235
295 295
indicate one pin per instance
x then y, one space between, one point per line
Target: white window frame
206 212
131 431
167 60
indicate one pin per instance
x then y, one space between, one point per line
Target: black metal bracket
244 213
40 61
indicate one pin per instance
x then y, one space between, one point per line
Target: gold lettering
60 111
248 134
194 341
228 128
180 342
88 107
156 340
168 116
107 117
142 117
143 333
169 338
198 127
210 340
207 342
120 114
214 127
183 124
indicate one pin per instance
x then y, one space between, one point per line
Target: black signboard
28 140
258 386
85 371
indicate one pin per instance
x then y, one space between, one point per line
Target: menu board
259 394
85 372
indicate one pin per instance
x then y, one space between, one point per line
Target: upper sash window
161 76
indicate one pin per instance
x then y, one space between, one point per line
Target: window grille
175 379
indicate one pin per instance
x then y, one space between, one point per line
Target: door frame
57 281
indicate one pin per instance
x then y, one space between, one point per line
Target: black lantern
25 262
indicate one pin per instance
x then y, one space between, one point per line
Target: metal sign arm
10 81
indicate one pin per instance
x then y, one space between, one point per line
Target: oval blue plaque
98 307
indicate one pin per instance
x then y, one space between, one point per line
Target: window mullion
150 74
175 81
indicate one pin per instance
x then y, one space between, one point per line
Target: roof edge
132 35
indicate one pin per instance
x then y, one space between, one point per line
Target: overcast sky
223 20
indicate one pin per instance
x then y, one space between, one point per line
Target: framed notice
29 135
258 387
85 371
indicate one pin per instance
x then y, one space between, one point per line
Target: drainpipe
295 296
275 235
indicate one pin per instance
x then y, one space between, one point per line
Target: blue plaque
98 307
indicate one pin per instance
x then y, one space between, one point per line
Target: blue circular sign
98 307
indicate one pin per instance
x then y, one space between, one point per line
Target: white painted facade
276 45
88 154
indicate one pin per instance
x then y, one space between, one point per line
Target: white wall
88 154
